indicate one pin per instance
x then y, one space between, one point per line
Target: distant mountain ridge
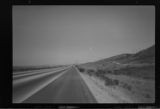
143 56
146 56
140 64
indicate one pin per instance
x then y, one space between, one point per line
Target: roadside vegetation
100 74
136 81
144 72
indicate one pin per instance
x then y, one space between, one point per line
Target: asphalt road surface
68 88
27 84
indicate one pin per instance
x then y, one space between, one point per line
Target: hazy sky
75 34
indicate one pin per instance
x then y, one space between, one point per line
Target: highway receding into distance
57 85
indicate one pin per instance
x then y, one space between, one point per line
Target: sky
64 34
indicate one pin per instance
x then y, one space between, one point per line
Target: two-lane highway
68 88
27 84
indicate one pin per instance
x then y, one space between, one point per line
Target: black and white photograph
83 54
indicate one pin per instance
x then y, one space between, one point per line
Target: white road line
24 72
35 72
36 89
27 79
30 71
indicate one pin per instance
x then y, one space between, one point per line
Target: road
67 88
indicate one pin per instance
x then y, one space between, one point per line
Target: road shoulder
101 93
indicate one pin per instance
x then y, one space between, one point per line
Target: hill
146 56
132 74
